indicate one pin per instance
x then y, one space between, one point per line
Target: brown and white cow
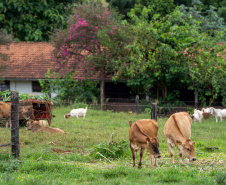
144 134
5 112
35 127
178 132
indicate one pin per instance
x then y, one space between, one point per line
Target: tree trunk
157 93
196 99
102 94
164 92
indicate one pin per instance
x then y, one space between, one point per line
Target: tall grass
81 156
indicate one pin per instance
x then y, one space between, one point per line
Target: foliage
83 43
5 39
31 20
112 150
6 95
68 88
210 22
156 7
156 54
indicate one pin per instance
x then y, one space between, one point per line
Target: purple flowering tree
93 41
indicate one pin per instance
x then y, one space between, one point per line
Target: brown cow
5 112
35 127
144 134
178 132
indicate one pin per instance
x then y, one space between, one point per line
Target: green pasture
96 150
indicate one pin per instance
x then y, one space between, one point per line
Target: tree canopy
31 20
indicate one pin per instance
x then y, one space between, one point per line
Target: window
5 85
36 87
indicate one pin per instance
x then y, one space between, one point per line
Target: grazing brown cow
5 112
35 127
144 134
178 132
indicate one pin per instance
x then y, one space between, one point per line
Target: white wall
25 87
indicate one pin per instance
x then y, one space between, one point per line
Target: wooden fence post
15 124
154 111
137 103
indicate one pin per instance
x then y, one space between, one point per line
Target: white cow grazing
195 117
76 113
218 113
200 114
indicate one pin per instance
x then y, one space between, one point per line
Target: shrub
112 150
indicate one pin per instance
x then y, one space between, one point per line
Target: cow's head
67 115
25 112
187 149
153 146
32 125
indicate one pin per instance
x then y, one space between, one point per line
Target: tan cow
144 134
35 127
178 132
5 112
40 122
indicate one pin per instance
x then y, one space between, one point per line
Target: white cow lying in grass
218 113
76 113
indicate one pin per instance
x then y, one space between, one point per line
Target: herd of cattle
143 134
207 112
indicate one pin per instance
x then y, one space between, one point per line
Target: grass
73 158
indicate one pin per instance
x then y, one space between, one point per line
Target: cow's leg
171 151
180 156
216 119
156 163
49 121
133 156
8 124
141 155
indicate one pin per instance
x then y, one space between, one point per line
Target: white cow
76 113
218 113
200 114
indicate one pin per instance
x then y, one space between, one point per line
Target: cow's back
178 125
147 126
5 110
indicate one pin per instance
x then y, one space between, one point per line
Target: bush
112 150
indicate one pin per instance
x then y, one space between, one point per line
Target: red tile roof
30 60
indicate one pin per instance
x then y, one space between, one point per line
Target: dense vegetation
150 47
96 150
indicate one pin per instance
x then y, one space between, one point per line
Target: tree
169 52
209 20
5 39
93 39
157 51
31 20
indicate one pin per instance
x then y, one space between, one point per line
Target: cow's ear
178 142
148 140
193 143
